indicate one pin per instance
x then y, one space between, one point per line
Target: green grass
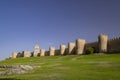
71 67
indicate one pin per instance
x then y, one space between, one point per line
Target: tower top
103 35
36 46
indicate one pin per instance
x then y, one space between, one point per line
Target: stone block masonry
102 38
36 50
26 54
80 44
71 48
52 51
103 45
114 45
62 49
42 52
14 55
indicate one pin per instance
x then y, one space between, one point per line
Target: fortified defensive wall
103 45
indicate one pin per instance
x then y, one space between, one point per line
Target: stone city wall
47 53
93 45
114 45
57 52
26 54
103 45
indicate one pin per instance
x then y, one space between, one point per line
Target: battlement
103 35
91 43
77 48
114 39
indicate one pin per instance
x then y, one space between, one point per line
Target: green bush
89 50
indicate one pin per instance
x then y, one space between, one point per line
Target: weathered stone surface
42 52
36 50
71 48
102 43
62 49
14 54
93 45
26 54
114 45
80 44
101 46
52 51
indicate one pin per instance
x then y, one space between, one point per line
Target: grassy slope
74 67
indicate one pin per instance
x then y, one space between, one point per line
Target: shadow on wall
103 45
9 79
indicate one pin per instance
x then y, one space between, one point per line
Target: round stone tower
36 50
42 52
52 51
102 41
80 43
14 55
71 48
62 49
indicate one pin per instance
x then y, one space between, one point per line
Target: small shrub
89 50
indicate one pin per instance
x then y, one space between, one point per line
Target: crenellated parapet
114 45
103 45
114 39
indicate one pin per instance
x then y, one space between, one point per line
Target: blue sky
24 23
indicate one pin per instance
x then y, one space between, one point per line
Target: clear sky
24 23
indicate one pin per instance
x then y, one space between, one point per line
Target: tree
90 50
